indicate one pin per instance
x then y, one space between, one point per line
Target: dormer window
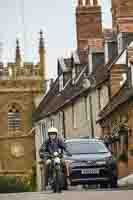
90 63
106 52
120 43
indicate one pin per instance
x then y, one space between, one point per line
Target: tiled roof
55 100
121 97
47 98
102 72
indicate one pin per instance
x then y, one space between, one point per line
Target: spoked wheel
57 185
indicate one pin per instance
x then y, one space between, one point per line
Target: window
86 108
120 43
85 147
43 131
99 99
73 75
106 52
74 118
14 119
61 83
90 63
52 122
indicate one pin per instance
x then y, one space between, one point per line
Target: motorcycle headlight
56 154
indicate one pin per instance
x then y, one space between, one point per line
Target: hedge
12 184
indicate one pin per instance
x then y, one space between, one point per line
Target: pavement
77 195
126 181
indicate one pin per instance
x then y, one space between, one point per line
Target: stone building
92 94
71 104
115 117
21 84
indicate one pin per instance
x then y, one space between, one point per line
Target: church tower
20 84
18 56
122 15
42 56
88 22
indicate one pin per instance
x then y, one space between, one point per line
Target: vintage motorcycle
57 178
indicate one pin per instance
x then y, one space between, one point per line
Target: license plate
90 171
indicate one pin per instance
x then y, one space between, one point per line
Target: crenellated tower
21 83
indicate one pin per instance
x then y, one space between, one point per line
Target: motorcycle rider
54 143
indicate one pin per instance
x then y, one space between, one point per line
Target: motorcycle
57 176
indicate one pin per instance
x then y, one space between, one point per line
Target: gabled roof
53 91
117 59
76 57
121 97
55 100
102 72
65 64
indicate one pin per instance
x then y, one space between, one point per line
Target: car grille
78 174
77 168
84 164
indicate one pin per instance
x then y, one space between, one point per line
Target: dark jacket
49 147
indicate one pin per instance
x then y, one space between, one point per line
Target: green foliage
12 184
123 157
33 177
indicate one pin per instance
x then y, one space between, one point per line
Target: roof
76 57
121 97
102 72
53 91
56 100
65 64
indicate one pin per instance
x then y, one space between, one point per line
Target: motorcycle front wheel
57 185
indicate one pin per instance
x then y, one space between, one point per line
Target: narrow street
78 195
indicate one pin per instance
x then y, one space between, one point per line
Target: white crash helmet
52 130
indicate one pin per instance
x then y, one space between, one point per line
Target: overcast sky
23 19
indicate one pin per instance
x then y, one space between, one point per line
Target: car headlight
105 161
101 162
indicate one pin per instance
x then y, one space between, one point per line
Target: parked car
91 163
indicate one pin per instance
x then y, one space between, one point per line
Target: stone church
20 85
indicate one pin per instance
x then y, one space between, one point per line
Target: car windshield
83 147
